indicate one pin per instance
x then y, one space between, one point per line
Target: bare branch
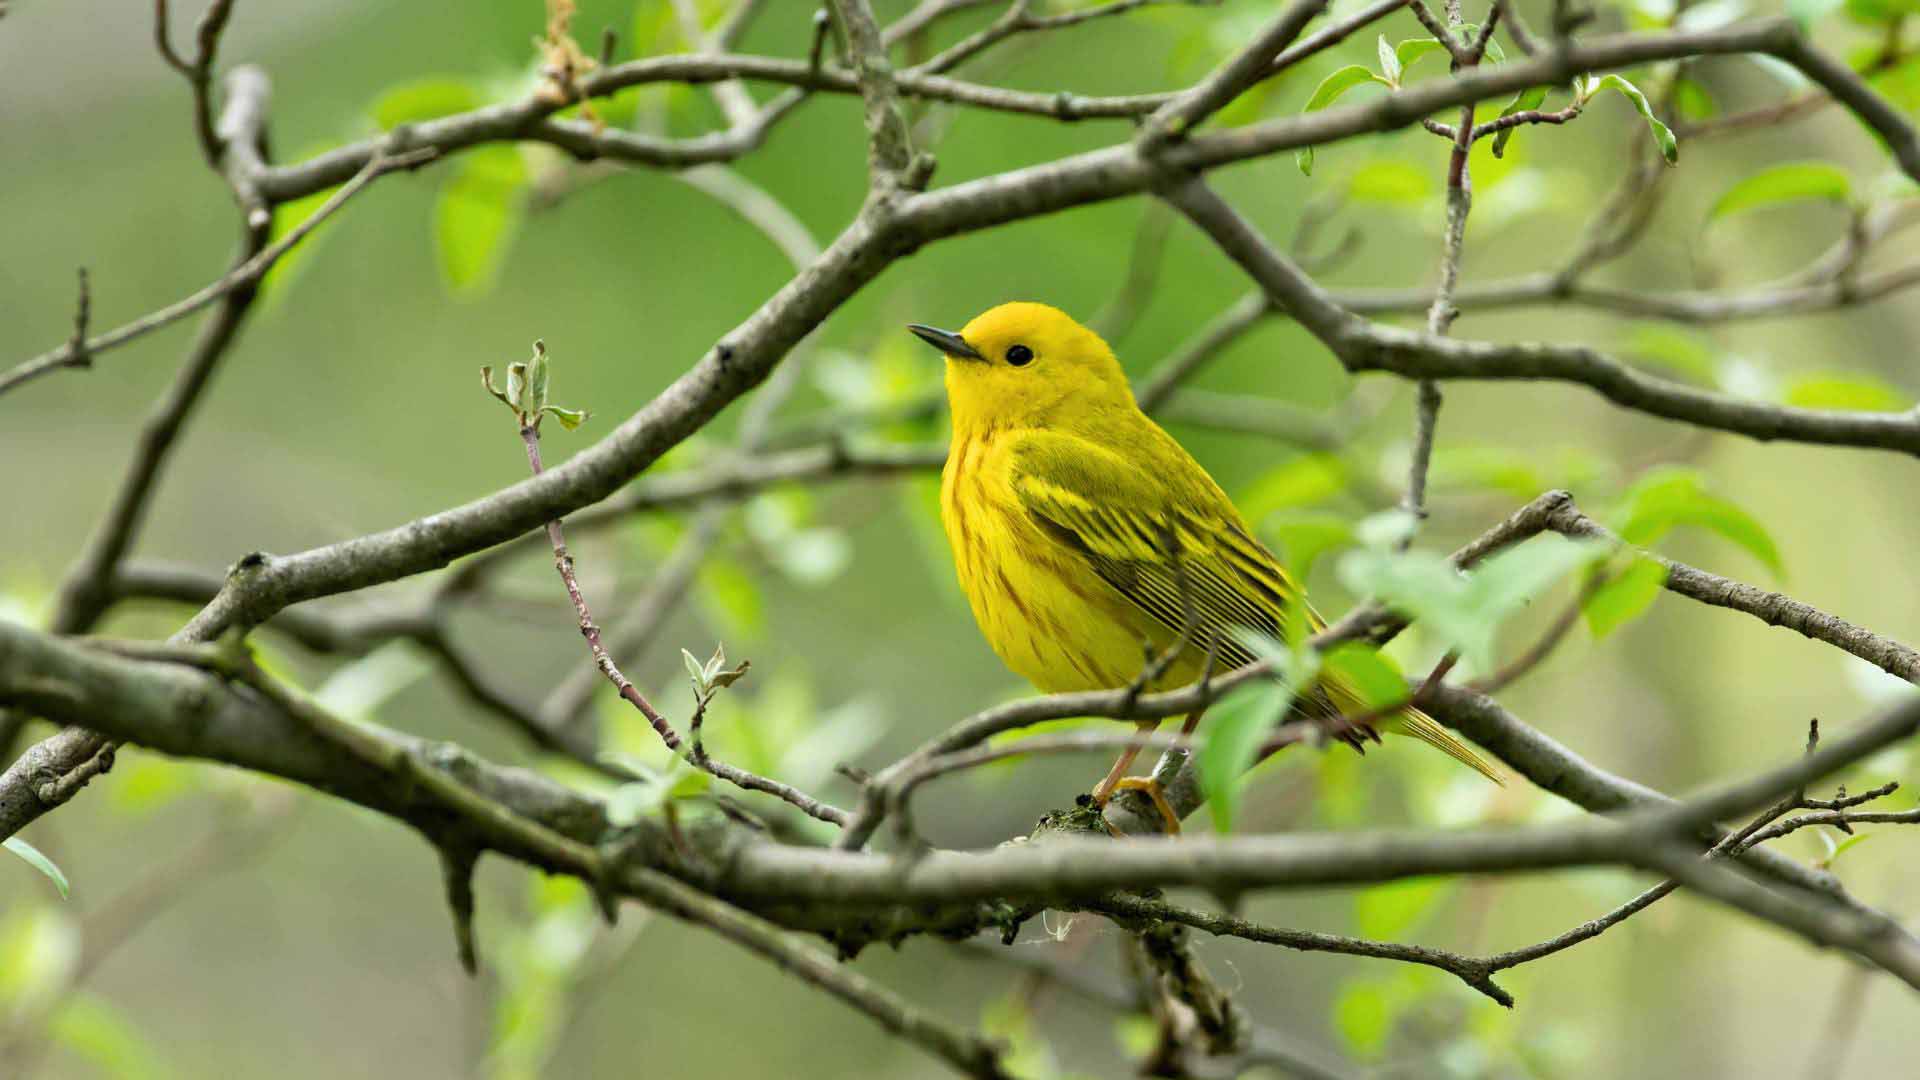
244 276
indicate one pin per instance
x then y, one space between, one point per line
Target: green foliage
1526 100
1328 92
422 99
537 966
1028 1056
1625 596
39 949
1692 101
1465 612
526 393
1392 181
1301 538
1670 496
631 802
730 598
475 216
39 862
1388 911
1680 350
1861 393
782 524
288 216
1363 1015
1298 482
356 690
1369 673
1586 87
97 1031
1796 181
1232 731
1881 12
1805 13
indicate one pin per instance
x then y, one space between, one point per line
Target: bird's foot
1151 788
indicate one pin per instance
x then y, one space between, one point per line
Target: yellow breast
1049 617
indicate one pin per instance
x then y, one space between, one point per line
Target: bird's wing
1173 546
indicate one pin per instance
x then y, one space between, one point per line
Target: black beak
947 342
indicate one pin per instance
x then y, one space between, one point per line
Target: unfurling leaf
1662 134
41 863
535 398
569 418
1389 62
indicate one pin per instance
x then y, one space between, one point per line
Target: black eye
1019 356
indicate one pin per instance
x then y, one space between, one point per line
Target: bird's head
1025 364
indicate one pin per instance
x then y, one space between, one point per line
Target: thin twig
246 274
602 659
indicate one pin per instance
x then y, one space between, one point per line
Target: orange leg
1104 789
1117 780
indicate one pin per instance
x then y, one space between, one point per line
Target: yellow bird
1083 533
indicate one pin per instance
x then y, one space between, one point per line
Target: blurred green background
307 939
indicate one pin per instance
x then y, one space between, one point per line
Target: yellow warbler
1082 531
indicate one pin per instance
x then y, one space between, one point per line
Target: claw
1152 789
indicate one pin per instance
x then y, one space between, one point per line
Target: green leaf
1465 613
1686 352
1300 539
1389 61
1662 134
1362 1015
1327 93
695 672
1795 181
1392 181
1364 670
358 689
39 862
1385 912
1877 12
1844 846
628 803
732 599
1671 496
1468 32
1625 597
1302 481
99 1032
1229 736
1805 13
569 418
475 217
1508 581
1525 100
422 99
1386 529
1692 101
1861 393
1409 52
1505 469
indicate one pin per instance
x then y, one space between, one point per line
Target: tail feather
1337 699
1423 727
